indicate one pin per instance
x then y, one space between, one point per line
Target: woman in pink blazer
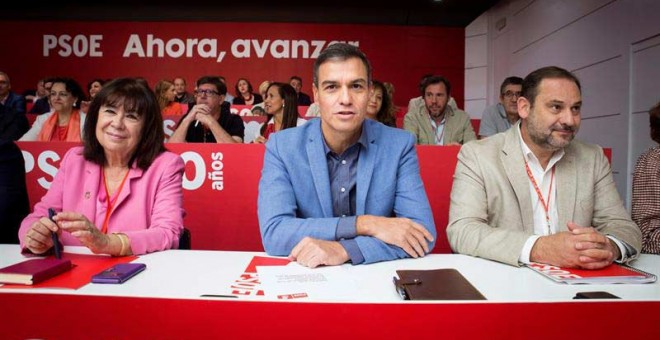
121 192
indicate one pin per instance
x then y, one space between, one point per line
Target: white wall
613 46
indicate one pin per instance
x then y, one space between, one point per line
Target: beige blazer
490 214
458 128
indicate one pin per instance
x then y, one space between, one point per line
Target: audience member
228 98
8 98
437 123
182 96
313 111
14 204
42 105
380 106
165 94
121 192
65 122
501 116
533 194
245 95
93 87
646 189
34 94
210 120
417 104
343 188
303 98
281 109
258 109
13 125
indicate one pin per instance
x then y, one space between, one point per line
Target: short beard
547 141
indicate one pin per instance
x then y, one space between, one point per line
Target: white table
188 274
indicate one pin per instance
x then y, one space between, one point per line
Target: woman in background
65 121
281 107
165 94
93 87
646 189
380 107
121 192
244 95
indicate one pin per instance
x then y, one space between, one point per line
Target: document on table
295 282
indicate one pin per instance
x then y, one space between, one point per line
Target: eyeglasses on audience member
206 92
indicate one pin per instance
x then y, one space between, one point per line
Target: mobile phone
595 295
119 273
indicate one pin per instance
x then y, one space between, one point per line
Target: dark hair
71 86
341 52
530 85
290 110
421 82
238 93
432 80
95 80
386 113
296 78
134 96
654 119
510 81
215 81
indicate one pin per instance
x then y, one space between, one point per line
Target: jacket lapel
513 162
319 168
566 189
366 164
133 173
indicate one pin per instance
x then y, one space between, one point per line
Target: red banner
257 51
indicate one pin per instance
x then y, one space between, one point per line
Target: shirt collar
363 140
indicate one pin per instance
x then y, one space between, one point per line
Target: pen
219 296
53 235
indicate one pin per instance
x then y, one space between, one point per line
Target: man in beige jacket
437 123
533 193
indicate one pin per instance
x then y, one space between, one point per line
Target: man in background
210 120
501 116
182 96
437 123
303 99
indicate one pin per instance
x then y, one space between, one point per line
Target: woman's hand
38 239
260 140
84 230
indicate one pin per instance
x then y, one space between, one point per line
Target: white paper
297 283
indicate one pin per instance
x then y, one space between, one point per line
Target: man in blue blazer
342 188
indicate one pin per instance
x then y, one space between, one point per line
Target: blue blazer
294 190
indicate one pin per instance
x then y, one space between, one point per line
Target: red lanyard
546 205
111 202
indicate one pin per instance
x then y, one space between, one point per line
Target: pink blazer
149 209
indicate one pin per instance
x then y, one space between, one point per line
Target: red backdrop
258 51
